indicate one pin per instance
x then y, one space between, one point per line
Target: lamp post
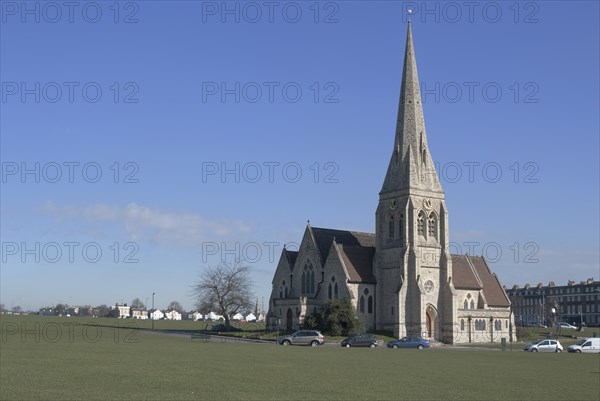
153 311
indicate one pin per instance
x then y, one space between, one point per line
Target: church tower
415 294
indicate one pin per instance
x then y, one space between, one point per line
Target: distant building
572 303
195 316
238 316
213 316
155 314
124 310
139 313
172 315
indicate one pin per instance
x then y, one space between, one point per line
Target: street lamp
153 311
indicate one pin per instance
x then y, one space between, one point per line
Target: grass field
58 360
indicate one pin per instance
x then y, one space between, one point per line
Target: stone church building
402 278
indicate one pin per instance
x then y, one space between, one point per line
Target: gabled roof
473 273
291 257
463 274
358 261
324 238
494 294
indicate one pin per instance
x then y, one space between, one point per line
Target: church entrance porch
431 323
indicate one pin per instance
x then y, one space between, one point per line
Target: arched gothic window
472 304
333 289
432 226
462 324
370 304
421 223
466 304
401 226
391 227
308 279
362 304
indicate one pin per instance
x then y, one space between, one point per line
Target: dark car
218 327
360 340
409 342
221 327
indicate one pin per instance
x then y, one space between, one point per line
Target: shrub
335 318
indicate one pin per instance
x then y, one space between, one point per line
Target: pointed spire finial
308 222
410 150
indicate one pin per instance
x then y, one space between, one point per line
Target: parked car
360 340
409 342
302 337
591 345
218 327
544 346
564 325
221 327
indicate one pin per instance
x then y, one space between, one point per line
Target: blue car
409 342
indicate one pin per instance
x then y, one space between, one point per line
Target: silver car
544 346
302 337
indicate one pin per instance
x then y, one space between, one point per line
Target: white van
591 345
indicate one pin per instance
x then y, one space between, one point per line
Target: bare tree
225 289
137 303
175 306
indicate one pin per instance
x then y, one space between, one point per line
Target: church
402 279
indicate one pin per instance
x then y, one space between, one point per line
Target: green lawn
106 363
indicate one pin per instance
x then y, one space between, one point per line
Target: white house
251 317
238 316
212 316
173 315
124 311
155 314
137 313
195 316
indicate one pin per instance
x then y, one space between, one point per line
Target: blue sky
165 135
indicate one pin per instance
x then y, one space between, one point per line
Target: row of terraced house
575 303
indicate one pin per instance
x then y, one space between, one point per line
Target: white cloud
159 226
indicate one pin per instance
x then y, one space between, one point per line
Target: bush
335 318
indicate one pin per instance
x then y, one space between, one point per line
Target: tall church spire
411 166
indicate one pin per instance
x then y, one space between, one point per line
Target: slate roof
324 238
473 273
463 275
291 257
359 262
492 289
